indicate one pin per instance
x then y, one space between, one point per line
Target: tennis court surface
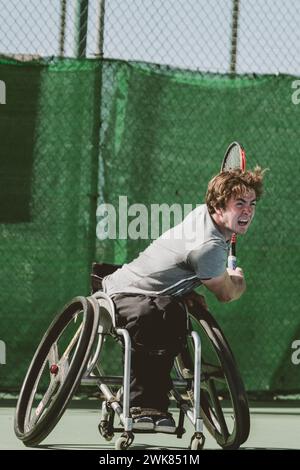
271 428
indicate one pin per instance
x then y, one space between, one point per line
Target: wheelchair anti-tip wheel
197 441
56 370
223 400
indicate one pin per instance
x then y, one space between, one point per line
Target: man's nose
248 209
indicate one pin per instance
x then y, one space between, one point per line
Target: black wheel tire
32 435
211 333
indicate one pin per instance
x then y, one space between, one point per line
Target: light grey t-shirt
174 263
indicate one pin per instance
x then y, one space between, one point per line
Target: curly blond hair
233 183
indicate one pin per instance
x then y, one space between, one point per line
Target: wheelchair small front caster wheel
124 441
197 442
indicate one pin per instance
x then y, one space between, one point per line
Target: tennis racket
235 157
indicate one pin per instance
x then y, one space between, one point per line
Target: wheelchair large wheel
223 400
55 371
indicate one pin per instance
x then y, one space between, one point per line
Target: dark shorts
152 321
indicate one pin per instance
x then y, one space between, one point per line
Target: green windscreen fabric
50 156
164 137
142 141
17 130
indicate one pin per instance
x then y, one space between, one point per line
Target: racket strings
233 160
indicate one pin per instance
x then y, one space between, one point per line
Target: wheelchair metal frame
111 405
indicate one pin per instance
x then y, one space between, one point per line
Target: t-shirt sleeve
209 260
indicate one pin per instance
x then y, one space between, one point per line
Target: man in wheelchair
148 292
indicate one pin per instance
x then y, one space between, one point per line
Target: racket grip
231 262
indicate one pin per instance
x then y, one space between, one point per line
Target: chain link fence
139 99
246 36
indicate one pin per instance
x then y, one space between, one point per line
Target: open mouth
243 222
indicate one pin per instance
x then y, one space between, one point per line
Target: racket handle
231 262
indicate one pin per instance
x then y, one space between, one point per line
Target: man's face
239 212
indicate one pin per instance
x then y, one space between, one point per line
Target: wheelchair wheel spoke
213 372
53 354
37 413
218 409
71 344
53 360
31 399
63 368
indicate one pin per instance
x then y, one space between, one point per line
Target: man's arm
227 287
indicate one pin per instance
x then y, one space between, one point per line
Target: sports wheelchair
207 385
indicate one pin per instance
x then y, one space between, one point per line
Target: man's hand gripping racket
235 157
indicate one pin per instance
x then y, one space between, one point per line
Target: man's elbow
225 298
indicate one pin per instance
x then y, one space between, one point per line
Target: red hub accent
54 369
